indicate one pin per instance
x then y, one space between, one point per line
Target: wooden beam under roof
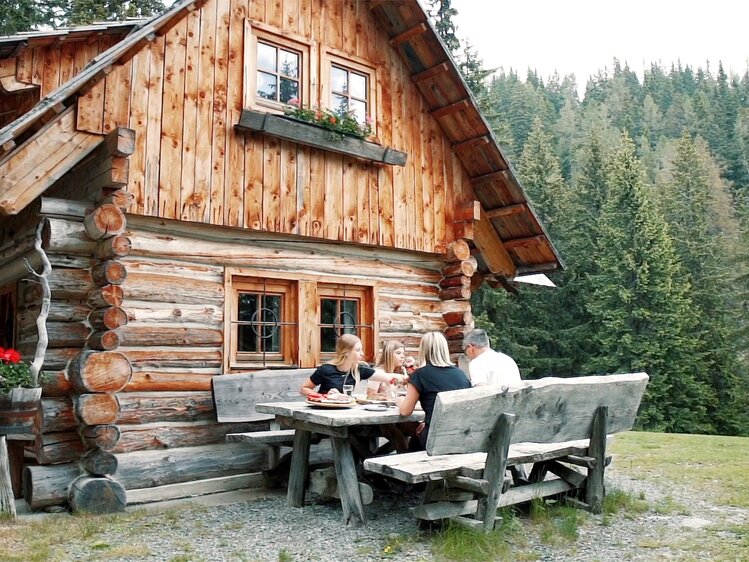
525 242
409 34
472 143
507 211
435 70
492 248
459 105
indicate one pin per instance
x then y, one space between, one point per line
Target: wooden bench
558 425
235 396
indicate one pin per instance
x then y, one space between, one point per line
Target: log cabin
196 230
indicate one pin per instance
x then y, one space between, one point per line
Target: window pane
266 57
248 304
248 341
349 313
289 89
288 63
327 340
358 84
338 80
266 85
359 109
271 330
328 310
339 104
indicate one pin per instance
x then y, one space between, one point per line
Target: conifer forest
643 185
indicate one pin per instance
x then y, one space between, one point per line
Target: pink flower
332 119
293 101
368 120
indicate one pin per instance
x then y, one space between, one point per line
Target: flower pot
18 409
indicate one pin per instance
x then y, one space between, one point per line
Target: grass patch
716 465
558 523
460 543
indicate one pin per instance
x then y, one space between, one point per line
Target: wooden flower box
310 134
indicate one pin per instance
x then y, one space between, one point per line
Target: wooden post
496 463
597 449
7 501
299 468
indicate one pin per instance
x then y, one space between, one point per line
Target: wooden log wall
173 339
238 179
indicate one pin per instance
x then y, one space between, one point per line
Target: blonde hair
434 350
343 347
387 356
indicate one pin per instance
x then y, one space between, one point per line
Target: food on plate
330 397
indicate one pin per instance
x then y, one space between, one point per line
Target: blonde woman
436 373
344 368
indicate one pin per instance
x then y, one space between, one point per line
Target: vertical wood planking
117 105
348 26
287 194
234 181
139 96
218 166
67 62
290 15
385 133
438 191
413 165
90 116
199 208
309 313
333 190
333 25
171 128
191 203
303 191
429 139
317 192
362 197
24 66
349 199
253 176
305 18
399 127
153 131
51 71
373 187
271 184
37 66
274 12
363 30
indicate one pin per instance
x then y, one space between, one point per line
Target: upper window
349 92
278 73
279 68
349 85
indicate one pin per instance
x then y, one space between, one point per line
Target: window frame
364 295
9 307
289 292
304 304
254 32
331 57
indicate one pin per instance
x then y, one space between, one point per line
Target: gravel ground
267 530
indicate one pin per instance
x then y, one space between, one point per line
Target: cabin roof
509 236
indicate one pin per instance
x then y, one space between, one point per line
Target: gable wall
185 95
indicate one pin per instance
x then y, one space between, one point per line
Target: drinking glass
348 389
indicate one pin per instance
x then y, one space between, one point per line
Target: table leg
348 484
299 468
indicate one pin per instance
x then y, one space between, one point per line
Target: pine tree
25 15
641 311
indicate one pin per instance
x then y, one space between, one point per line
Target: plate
330 404
376 407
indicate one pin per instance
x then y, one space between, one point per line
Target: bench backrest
235 396
550 410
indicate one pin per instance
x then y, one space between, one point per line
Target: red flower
332 119
10 355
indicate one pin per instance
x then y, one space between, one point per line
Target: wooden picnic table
339 425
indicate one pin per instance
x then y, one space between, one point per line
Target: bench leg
299 468
597 449
494 473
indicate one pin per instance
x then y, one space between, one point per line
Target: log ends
105 221
97 494
94 371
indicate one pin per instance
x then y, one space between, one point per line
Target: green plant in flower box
339 122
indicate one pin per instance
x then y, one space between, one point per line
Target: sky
583 36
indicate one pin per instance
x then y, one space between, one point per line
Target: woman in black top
344 368
435 374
